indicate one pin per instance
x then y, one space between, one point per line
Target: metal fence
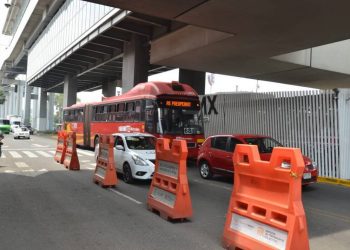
315 121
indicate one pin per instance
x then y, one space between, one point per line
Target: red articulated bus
166 110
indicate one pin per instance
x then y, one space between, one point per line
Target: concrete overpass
253 39
72 46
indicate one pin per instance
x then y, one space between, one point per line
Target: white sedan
134 155
19 132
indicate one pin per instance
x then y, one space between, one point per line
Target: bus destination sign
182 104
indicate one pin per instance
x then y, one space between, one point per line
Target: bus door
150 117
87 121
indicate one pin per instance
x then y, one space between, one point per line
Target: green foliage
59 108
2 96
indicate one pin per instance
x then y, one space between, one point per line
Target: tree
59 108
2 96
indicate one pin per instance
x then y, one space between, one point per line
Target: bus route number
188 131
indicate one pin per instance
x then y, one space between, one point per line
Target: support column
196 79
28 96
34 117
42 120
51 112
69 91
108 89
135 62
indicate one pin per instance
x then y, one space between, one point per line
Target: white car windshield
140 142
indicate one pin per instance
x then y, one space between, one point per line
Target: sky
220 83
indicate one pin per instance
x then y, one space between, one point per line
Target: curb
334 181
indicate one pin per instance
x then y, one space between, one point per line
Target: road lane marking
44 153
86 153
14 154
21 164
43 170
93 164
85 161
125 196
90 168
3 155
28 171
27 149
39 146
30 154
9 171
52 152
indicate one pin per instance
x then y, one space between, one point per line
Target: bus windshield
179 121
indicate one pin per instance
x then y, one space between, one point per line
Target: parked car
31 130
21 132
134 155
215 155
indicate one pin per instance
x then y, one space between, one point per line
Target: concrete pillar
51 112
196 79
27 98
34 116
69 91
135 62
42 120
12 101
108 89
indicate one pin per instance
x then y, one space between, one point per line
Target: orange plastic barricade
169 193
266 210
71 160
61 146
105 172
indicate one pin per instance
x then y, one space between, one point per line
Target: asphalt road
45 206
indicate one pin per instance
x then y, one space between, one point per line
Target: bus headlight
139 161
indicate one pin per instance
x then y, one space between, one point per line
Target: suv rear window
219 142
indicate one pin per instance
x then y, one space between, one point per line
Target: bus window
130 106
120 107
137 116
120 111
179 121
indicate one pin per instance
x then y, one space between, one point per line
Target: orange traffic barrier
61 146
71 160
105 172
266 210
169 193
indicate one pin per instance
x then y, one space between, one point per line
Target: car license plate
306 176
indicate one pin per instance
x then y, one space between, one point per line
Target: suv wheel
204 170
127 174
